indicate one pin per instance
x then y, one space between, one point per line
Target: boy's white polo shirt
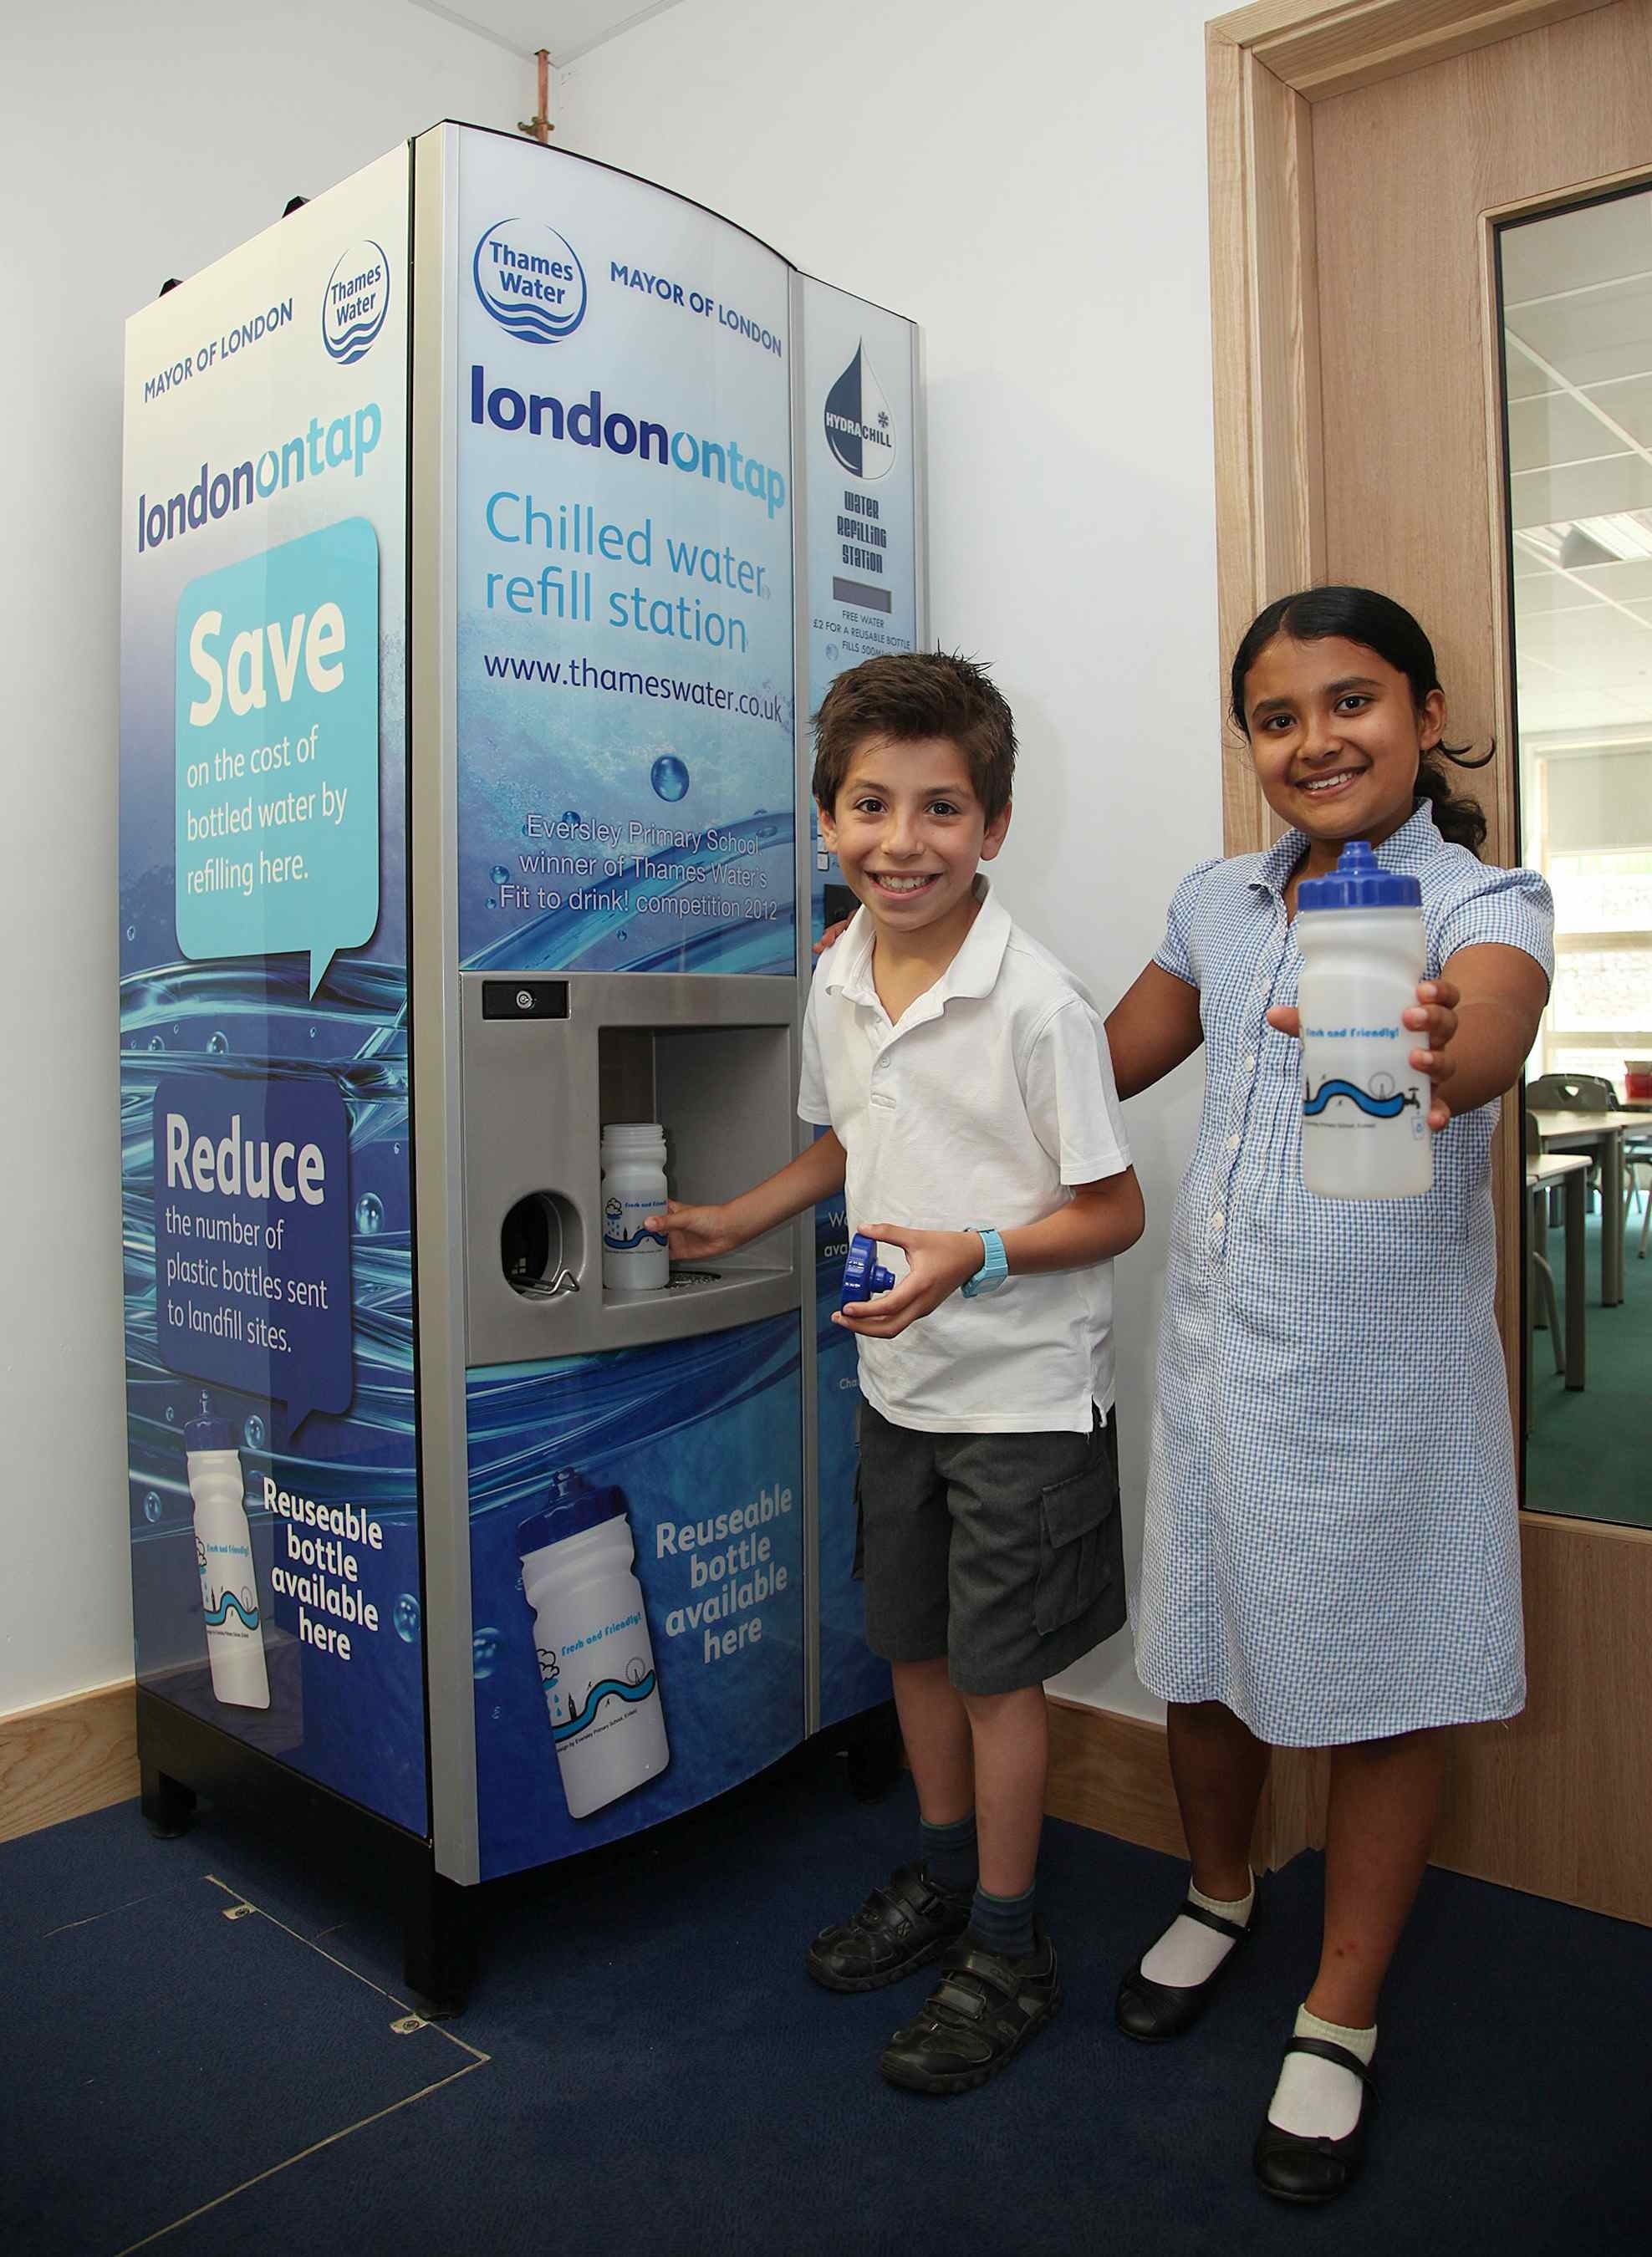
991 1095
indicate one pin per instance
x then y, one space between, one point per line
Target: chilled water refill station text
493 525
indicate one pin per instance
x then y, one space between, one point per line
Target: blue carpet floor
644 2068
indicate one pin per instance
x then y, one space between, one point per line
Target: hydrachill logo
530 279
858 427
355 302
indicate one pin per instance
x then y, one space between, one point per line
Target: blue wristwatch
995 1266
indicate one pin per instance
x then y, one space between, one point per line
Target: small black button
524 999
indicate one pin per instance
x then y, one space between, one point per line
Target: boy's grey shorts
1002 1553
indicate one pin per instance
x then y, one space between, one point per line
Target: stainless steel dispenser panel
714 1059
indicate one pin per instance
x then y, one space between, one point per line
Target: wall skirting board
66 1758
1110 1772
70 1756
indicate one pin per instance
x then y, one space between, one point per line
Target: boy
963 1085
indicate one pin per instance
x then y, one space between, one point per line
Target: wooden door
1361 158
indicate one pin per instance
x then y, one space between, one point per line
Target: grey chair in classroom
1540 1278
1637 1153
1592 1092
1572 1092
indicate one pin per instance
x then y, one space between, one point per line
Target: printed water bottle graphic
223 1554
596 1659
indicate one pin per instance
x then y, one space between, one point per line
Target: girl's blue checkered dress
1331 1547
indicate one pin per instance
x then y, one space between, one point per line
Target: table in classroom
1571 1169
1574 1132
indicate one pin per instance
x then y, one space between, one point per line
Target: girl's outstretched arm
1151 1029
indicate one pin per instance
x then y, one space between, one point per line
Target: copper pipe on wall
539 125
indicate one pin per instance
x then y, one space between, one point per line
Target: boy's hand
1434 1016
693 1233
940 1260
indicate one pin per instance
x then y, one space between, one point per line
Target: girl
1331 1557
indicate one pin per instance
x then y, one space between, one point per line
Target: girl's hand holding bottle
1434 1014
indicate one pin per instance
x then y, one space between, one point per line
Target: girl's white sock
1314 2099
1188 1953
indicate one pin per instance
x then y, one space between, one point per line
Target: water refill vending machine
493 525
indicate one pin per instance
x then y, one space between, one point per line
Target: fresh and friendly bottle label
1366 1083
622 1220
228 1589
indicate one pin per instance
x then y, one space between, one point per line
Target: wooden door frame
1267 65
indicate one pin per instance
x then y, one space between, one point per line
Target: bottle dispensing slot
541 1243
712 1061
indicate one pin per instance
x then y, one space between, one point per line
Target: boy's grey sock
949 1853
1004 1924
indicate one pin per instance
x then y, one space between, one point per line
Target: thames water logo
530 279
858 427
355 302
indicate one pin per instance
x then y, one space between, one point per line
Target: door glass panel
1576 299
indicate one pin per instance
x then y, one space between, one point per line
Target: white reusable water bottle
223 1554
596 1659
633 1260
1364 1105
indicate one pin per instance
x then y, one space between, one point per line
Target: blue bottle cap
864 1275
208 1434
1359 882
571 1510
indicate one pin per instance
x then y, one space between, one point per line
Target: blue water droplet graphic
569 815
492 901
405 1614
370 1214
486 1648
669 777
171 1415
253 1432
152 1508
218 1043
132 933
625 932
157 1042
498 873
312 1034
768 829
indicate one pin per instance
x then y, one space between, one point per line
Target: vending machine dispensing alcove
493 525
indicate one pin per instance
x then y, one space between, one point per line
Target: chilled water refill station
492 524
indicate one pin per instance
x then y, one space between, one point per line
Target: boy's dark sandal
903 1925
1300 2170
977 2020
1151 2012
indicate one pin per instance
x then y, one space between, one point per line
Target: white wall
1028 184
135 143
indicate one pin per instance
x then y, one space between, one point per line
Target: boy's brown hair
907 695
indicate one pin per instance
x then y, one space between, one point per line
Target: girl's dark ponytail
1461 820
1361 615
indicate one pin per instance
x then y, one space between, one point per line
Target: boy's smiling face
909 834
